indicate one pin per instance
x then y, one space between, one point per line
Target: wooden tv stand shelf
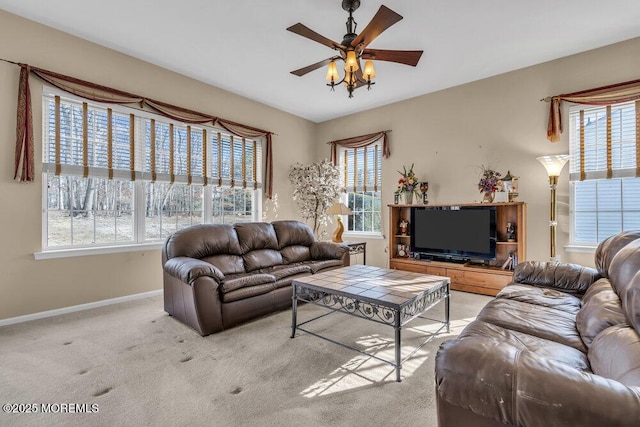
486 280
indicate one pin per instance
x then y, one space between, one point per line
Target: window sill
584 249
75 252
354 235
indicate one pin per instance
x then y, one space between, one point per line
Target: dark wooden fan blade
307 32
407 57
302 71
382 20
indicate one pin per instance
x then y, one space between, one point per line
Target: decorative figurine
402 251
511 232
403 226
424 187
511 186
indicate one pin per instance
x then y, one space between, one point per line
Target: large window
605 189
362 174
117 176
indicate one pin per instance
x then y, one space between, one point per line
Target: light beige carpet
141 367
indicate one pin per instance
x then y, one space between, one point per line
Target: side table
356 248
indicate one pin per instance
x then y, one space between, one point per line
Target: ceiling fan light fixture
332 72
353 49
351 61
369 72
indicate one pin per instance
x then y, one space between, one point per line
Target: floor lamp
553 165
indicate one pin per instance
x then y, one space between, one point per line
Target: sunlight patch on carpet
363 371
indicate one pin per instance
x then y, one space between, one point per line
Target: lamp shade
369 72
332 72
553 164
351 61
339 209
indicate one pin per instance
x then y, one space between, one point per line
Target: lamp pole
553 223
553 164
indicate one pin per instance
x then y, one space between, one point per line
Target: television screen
462 233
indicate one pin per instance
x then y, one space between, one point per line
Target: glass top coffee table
390 297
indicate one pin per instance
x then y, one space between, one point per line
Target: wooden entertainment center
486 280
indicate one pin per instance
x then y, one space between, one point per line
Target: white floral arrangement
316 187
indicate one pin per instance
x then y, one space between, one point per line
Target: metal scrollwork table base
389 297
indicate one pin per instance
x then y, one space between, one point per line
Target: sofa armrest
493 380
572 278
328 250
189 269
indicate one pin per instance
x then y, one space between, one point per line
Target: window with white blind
118 176
604 171
362 175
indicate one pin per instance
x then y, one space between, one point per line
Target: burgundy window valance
24 158
359 142
604 95
363 159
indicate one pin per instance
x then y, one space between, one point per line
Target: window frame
139 221
592 175
349 190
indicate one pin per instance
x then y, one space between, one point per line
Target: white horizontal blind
603 169
603 141
361 170
361 167
82 139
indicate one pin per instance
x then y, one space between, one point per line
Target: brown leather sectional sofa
217 275
557 347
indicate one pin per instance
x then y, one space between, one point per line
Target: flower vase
408 197
488 197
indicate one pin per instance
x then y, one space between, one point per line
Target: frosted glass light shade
553 164
350 79
351 61
332 72
369 71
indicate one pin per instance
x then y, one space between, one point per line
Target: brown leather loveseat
557 347
219 275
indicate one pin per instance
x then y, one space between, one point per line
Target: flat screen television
454 233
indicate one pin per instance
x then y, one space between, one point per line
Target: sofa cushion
244 293
599 311
597 286
624 274
609 247
295 253
477 374
237 281
203 240
536 320
546 297
615 354
542 347
293 233
283 271
261 258
256 235
287 281
328 250
227 264
572 278
317 266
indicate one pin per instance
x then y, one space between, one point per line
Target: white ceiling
242 45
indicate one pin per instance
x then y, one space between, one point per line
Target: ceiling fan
353 48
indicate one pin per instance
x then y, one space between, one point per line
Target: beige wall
29 286
498 121
446 134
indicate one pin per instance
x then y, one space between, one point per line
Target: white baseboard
88 306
